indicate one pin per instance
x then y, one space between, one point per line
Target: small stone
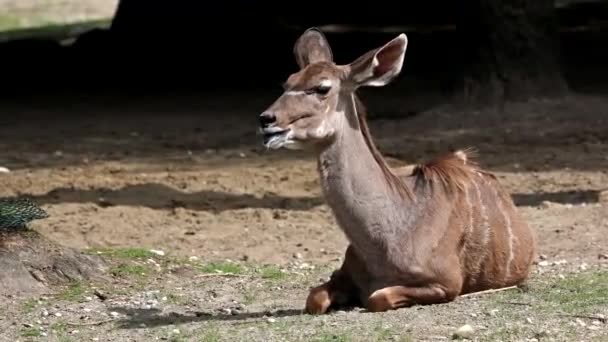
175 331
542 257
271 320
45 313
465 331
602 196
28 325
547 204
580 322
74 332
227 311
543 263
157 252
88 298
583 267
58 153
602 256
242 155
86 310
595 322
114 314
142 325
58 314
102 296
95 339
529 320
193 258
4 170
297 255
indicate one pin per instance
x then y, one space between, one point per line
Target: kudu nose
266 119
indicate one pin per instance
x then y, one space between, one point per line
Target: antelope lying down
424 236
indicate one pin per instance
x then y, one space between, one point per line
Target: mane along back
453 171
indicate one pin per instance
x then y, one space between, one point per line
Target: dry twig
488 291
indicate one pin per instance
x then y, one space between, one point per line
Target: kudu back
420 235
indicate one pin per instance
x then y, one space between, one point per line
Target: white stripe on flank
485 225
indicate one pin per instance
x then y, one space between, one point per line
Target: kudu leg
395 297
339 291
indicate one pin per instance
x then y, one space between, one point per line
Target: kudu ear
312 47
380 66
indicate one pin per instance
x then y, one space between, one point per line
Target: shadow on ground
160 196
138 318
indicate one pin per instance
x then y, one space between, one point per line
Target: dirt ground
187 175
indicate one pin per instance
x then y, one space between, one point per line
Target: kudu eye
322 89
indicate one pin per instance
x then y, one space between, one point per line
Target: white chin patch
284 140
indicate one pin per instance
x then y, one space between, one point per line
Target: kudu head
311 110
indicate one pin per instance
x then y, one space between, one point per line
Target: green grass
13 27
30 304
272 272
210 336
9 22
331 337
123 253
74 292
130 270
577 293
30 332
221 267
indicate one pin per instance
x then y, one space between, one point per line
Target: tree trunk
509 50
30 264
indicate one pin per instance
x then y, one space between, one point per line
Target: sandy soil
188 175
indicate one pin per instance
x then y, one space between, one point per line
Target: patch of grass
331 337
123 253
74 292
31 304
15 27
210 336
8 22
30 332
383 334
130 270
221 267
172 298
271 272
577 292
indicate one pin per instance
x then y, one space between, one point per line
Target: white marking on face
294 92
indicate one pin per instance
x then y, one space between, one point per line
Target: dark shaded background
186 45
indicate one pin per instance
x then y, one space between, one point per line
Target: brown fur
422 234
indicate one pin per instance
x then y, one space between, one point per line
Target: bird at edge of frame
17 213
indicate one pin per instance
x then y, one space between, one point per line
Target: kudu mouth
274 137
